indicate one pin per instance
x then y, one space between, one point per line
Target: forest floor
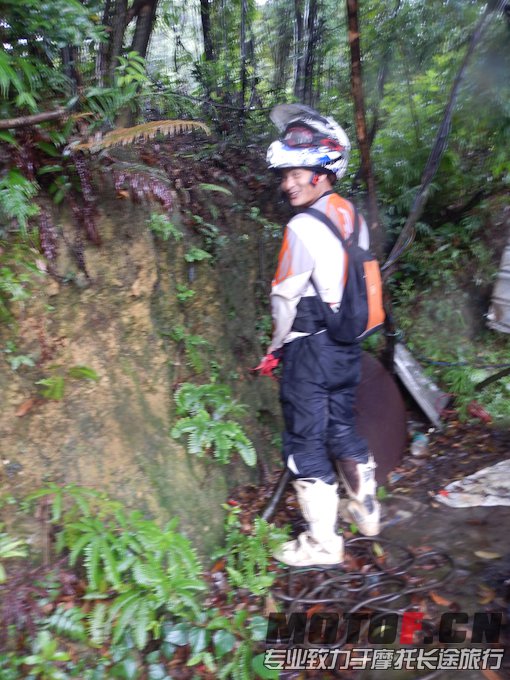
460 557
468 549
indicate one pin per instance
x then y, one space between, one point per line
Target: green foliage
18 275
45 658
191 343
184 293
223 644
129 79
211 234
53 387
195 254
434 294
68 623
382 493
215 187
205 408
163 228
264 329
143 571
29 71
144 596
83 373
17 198
10 548
248 556
131 69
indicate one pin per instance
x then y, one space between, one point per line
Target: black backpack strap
355 230
329 223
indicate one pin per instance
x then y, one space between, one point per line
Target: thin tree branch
25 121
492 378
204 100
408 231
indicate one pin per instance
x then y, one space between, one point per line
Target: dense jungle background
139 230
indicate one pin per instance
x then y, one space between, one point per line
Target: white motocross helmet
308 140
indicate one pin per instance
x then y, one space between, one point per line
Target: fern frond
123 136
141 624
92 563
110 563
127 617
68 622
99 628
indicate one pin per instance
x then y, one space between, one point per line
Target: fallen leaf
476 410
378 551
26 406
439 599
219 565
486 594
487 555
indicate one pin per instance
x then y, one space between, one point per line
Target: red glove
267 365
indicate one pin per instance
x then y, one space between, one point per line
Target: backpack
361 311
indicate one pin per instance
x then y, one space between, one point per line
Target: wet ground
476 539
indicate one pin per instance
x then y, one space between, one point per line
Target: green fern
249 556
52 387
195 254
8 77
10 548
17 196
191 343
163 228
68 623
207 429
150 571
184 293
99 629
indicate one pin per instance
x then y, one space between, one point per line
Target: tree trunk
281 45
312 38
119 23
69 54
381 82
205 17
242 74
144 25
103 50
361 126
298 49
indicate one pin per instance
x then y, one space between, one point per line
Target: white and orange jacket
310 251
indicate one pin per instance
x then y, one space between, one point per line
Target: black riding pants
317 395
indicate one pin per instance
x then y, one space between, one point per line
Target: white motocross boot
320 545
363 508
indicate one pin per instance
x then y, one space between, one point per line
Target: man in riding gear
319 375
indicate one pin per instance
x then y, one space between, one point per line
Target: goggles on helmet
308 140
300 136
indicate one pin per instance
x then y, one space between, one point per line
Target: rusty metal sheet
381 416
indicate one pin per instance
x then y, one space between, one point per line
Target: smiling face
300 187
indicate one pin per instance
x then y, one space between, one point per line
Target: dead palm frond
123 136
